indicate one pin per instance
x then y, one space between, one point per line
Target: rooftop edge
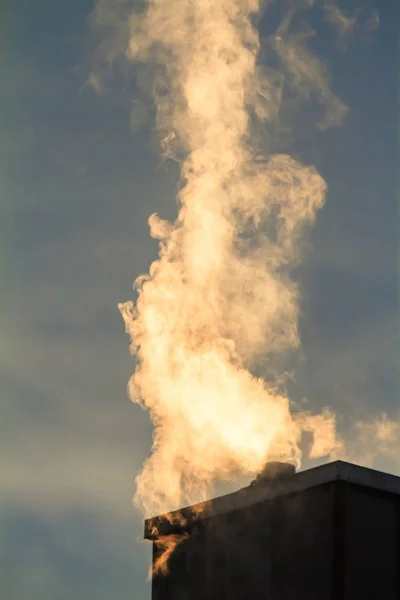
166 524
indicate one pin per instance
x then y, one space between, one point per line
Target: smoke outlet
274 470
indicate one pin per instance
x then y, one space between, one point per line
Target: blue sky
77 187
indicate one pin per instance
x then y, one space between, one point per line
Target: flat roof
255 494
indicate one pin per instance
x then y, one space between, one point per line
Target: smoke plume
220 298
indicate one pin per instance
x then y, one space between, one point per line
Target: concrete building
329 533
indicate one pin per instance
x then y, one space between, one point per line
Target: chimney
329 533
274 470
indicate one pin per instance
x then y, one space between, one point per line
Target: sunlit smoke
220 296
374 438
165 545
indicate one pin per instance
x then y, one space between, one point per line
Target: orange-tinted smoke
220 295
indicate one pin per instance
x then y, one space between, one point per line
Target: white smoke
220 297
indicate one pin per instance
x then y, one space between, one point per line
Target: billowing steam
220 298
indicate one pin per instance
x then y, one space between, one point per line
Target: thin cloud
342 21
348 22
373 21
305 73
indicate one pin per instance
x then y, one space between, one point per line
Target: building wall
334 541
370 544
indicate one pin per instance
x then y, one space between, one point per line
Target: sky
78 183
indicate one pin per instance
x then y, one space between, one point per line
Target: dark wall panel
371 560
336 541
